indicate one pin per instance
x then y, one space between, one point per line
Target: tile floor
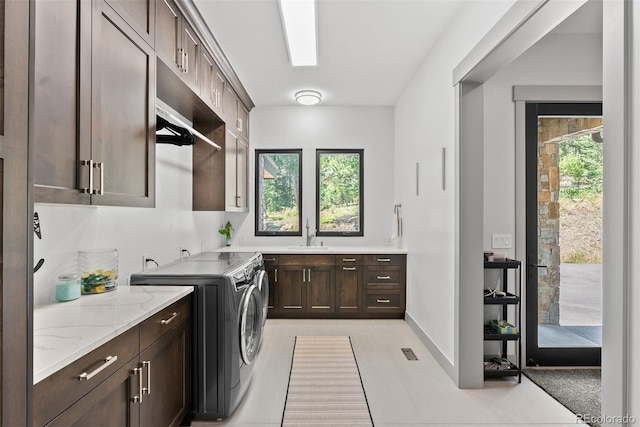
400 393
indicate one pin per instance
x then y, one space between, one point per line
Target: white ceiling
368 50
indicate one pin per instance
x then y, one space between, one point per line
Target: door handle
147 389
109 360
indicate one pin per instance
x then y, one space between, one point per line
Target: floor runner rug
325 388
577 389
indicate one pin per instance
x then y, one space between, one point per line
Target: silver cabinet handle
384 277
147 364
384 259
186 60
275 276
90 164
100 165
348 260
385 301
181 60
349 268
138 397
309 276
109 360
304 275
170 319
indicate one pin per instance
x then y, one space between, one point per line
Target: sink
308 248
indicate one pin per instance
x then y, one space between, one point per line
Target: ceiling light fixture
299 23
308 97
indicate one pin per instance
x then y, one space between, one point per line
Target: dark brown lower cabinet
271 268
306 284
109 404
306 289
165 364
148 384
349 288
337 286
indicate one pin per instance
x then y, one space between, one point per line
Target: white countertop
301 249
65 331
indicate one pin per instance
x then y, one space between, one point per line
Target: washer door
250 324
262 281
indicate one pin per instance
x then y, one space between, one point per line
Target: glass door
250 324
564 234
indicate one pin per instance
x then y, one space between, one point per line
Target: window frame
360 153
258 153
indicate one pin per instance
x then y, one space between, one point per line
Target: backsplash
158 232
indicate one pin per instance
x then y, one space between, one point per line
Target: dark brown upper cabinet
212 83
140 15
236 115
177 43
93 116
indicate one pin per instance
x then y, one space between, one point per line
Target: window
278 192
339 202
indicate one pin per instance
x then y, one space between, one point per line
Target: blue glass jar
68 287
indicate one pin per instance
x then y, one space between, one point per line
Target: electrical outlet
501 241
184 252
145 257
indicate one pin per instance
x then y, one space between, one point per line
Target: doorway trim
521 95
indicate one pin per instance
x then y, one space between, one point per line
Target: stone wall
552 131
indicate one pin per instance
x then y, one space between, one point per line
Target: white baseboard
442 360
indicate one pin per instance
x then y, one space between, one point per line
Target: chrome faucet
309 236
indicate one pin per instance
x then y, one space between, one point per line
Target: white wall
308 128
158 232
425 122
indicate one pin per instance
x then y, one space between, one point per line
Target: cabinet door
242 175
191 47
166 388
207 70
272 273
112 403
123 110
231 170
220 83
349 288
243 121
231 109
139 14
212 82
168 33
291 290
61 100
320 287
236 173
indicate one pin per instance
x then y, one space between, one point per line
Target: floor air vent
409 354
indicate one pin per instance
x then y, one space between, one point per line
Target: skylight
299 23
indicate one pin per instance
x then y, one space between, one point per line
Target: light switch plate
501 241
